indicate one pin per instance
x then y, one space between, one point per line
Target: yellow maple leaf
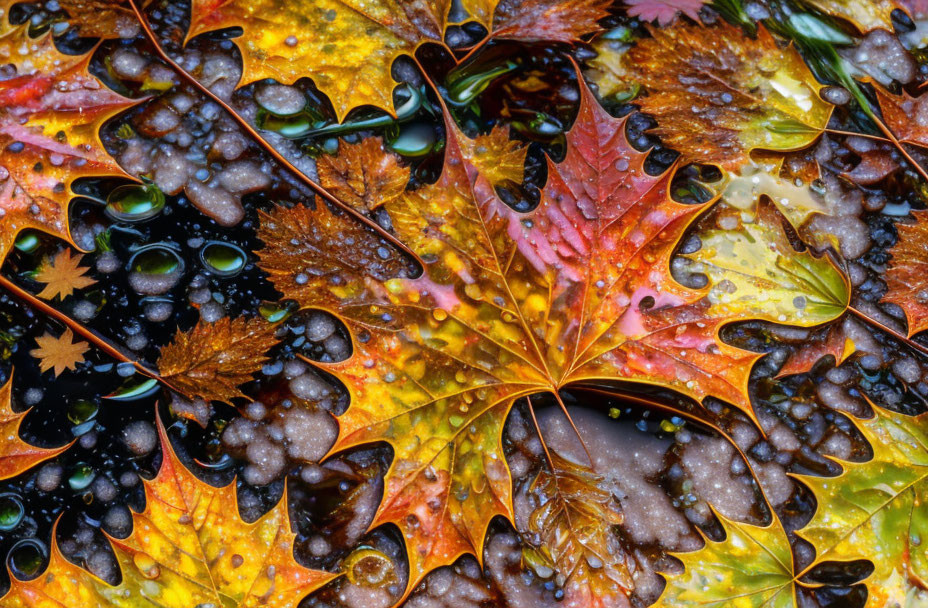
62 275
59 353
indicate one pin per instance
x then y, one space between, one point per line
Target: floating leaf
62 275
907 277
51 111
212 360
362 175
509 304
189 547
59 353
17 456
878 510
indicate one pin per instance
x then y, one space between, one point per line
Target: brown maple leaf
62 275
212 360
362 175
59 353
17 456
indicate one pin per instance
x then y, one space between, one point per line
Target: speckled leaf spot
907 277
17 456
509 304
189 547
51 112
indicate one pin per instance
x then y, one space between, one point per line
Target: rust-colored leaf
905 115
51 111
59 353
362 175
104 19
62 275
907 277
17 456
212 360
509 304
831 341
189 547
547 20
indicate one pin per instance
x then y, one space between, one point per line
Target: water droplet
417 139
136 388
82 414
147 566
369 567
156 259
11 511
131 204
26 558
27 242
82 476
222 259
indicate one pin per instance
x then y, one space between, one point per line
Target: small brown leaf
62 275
362 175
213 359
60 353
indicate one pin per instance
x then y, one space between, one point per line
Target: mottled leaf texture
101 18
212 360
51 112
905 115
509 304
907 277
751 568
796 201
62 275
878 510
664 12
575 524
189 547
17 456
362 175
59 353
717 94
348 46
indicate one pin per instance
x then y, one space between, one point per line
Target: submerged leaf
189 547
62 275
59 353
212 360
17 456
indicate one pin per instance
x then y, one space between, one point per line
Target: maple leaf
878 510
17 456
348 46
59 353
664 11
62 275
832 341
865 15
905 115
907 276
212 360
797 202
574 528
718 94
51 112
189 547
509 304
106 19
362 175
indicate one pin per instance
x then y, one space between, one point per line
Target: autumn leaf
832 341
878 510
51 112
509 304
865 15
17 456
718 94
62 275
348 46
362 175
59 353
797 202
574 527
907 276
105 19
751 567
212 360
664 11
189 547
904 115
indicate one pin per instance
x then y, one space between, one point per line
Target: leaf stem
260 140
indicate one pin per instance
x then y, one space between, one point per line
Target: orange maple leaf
59 353
17 456
907 277
62 275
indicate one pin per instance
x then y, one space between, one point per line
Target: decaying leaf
718 94
59 353
362 175
575 526
509 304
907 277
51 112
664 11
62 275
189 547
754 261
348 46
212 360
17 456
752 567
878 510
866 15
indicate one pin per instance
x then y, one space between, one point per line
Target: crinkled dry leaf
509 304
907 276
189 547
574 525
51 112
664 11
17 456
878 510
718 94
212 360
362 175
59 353
62 275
